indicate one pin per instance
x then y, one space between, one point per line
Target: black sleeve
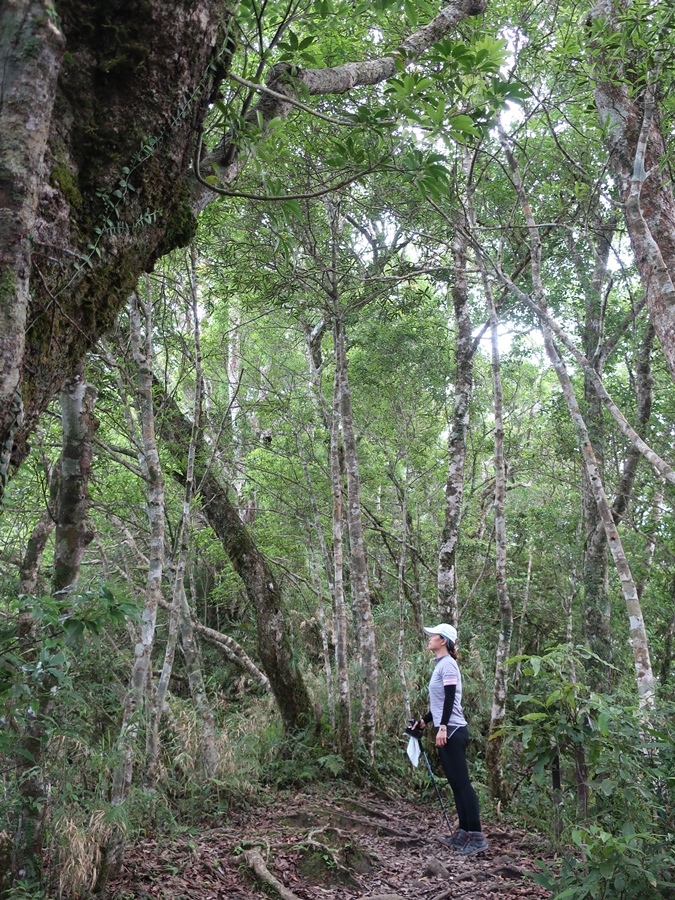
428 718
448 702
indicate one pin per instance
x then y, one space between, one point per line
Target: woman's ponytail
451 648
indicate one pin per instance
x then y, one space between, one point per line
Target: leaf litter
331 845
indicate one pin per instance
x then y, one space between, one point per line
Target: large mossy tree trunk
100 178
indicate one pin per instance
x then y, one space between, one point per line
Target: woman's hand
441 736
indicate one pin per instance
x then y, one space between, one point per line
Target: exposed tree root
255 861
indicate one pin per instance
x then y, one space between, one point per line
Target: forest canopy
322 322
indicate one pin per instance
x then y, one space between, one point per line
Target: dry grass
78 852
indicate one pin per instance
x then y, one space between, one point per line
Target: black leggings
453 760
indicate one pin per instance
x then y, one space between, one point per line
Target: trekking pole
411 732
438 793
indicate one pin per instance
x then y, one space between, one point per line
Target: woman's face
436 642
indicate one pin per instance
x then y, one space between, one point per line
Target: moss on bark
126 113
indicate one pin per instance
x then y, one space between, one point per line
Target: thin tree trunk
210 758
358 561
401 595
640 645
595 565
234 651
234 374
344 709
35 547
31 51
159 705
209 747
556 785
569 633
72 535
644 388
454 486
150 466
495 745
521 625
181 543
325 648
316 522
655 516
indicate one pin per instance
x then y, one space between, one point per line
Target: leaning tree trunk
454 484
274 648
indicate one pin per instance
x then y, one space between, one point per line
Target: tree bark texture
72 536
31 50
29 571
96 153
454 485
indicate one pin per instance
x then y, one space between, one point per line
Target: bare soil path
337 845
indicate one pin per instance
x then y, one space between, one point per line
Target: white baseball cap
449 632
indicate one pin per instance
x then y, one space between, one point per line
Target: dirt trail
320 846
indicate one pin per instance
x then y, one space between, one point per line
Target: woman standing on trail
452 736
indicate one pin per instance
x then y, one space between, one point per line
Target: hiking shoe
475 843
454 841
